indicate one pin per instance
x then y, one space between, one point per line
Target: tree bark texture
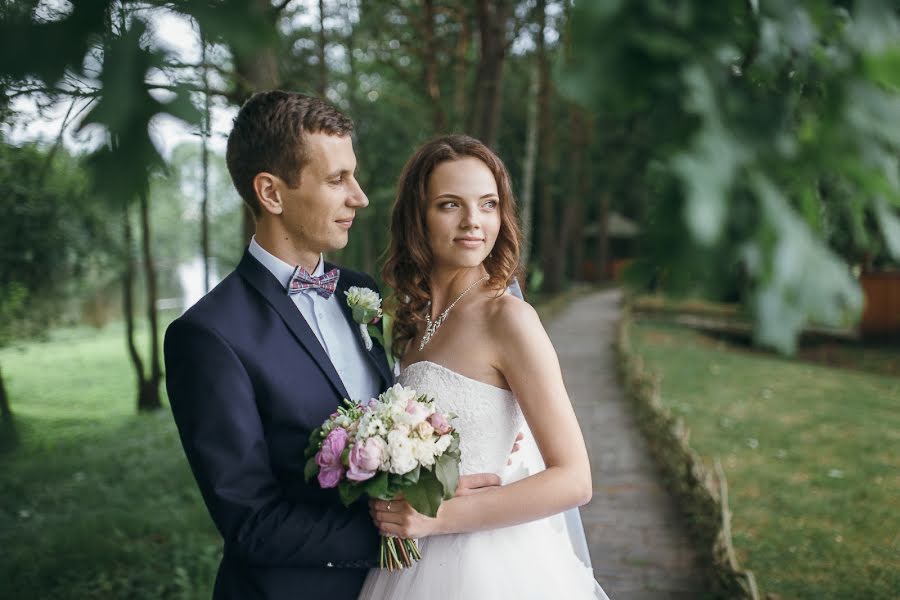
493 16
432 68
149 396
128 304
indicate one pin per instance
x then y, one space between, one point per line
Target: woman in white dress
484 355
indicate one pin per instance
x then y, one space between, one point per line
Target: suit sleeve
214 406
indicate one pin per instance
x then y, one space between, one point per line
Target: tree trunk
492 23
550 246
460 70
529 162
578 249
9 438
128 304
351 60
323 68
149 397
253 73
603 236
204 206
571 240
6 415
431 68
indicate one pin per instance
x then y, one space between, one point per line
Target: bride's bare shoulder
512 318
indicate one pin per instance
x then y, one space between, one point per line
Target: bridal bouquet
393 445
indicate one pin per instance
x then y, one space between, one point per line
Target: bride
485 357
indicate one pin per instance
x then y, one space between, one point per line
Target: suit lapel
266 284
376 356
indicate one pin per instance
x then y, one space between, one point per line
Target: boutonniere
366 307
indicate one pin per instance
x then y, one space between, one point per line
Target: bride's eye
446 205
491 204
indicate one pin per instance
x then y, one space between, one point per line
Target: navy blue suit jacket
248 381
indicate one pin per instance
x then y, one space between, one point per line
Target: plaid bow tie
302 281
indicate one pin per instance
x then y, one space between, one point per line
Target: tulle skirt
532 561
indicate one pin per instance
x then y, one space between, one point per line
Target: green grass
810 454
96 501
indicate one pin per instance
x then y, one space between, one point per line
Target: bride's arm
527 359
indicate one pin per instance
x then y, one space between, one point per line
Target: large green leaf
446 469
426 495
350 492
310 470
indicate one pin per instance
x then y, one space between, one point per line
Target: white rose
424 430
442 443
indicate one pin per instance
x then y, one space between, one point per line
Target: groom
269 354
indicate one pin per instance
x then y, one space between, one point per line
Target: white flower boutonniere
366 306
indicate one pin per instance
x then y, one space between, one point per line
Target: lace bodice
488 418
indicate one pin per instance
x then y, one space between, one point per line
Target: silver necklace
432 327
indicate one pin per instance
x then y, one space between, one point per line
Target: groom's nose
357 198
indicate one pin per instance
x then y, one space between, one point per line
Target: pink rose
332 447
365 458
418 412
329 477
440 424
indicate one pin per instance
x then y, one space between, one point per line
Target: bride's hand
398 518
479 482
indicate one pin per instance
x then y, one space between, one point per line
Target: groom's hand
474 484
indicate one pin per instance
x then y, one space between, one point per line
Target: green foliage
426 495
54 239
97 502
766 144
807 452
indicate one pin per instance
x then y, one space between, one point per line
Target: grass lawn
97 501
810 453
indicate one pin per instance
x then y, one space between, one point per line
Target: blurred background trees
746 153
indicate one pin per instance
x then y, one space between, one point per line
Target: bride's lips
345 223
469 242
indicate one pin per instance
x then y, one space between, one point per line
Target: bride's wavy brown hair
409 256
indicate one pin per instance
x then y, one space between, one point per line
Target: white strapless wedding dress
532 561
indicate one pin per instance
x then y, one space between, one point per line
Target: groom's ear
266 186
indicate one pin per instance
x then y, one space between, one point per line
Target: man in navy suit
269 354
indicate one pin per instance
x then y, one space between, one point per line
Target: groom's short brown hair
268 136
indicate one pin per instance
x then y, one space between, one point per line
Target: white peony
423 451
363 298
400 449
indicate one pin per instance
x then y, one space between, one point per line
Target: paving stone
638 543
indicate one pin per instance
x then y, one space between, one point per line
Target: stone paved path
638 546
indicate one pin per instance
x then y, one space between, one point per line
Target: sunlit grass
810 457
97 501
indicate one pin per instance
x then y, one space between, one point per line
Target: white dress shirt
331 327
